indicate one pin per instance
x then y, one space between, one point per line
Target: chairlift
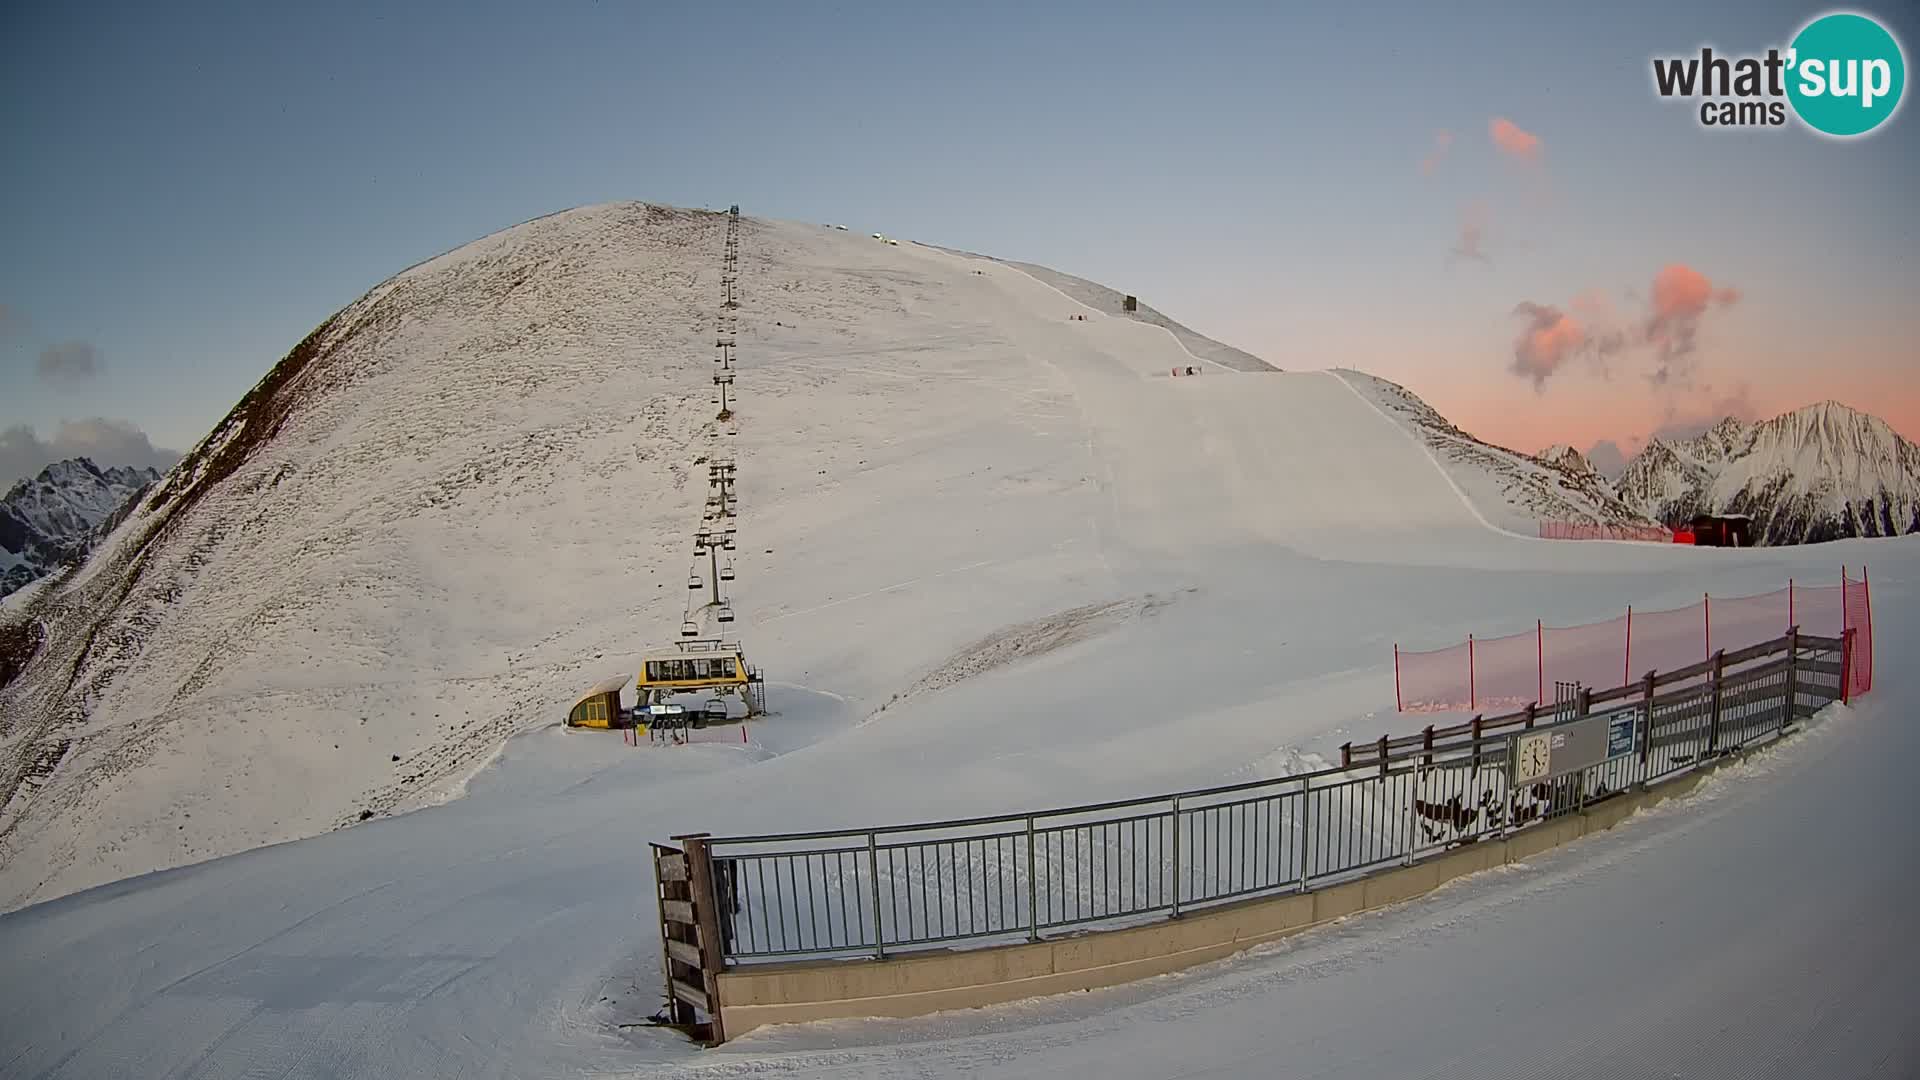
716 709
726 572
723 378
689 629
694 582
726 613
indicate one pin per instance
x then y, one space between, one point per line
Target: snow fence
1511 672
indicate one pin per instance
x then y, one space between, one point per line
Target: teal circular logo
1845 74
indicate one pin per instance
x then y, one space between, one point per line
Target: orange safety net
1506 673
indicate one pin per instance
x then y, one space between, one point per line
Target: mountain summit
52 519
1823 472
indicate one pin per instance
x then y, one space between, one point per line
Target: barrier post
1646 744
1426 744
1033 884
1626 669
873 881
1473 691
1791 621
1383 755
1793 672
1866 597
1539 660
1846 665
1398 705
1176 857
1346 755
1706 618
1713 717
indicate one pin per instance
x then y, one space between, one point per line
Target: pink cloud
1681 297
1510 139
1550 338
1442 141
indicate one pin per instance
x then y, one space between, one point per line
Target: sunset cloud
1471 241
1669 326
1511 140
1550 338
1681 298
1442 141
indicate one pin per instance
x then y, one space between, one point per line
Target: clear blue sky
189 190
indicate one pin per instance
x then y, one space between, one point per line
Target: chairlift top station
698 662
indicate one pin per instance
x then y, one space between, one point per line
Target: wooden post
1533 708
1787 716
1866 598
1398 705
1539 660
1713 717
1646 742
1426 744
1846 664
1383 755
1346 755
1476 746
706 913
1473 692
1627 666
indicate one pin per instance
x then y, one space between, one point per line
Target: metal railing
1019 876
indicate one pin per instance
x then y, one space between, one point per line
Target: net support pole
1626 668
1398 704
1706 619
1866 597
1473 689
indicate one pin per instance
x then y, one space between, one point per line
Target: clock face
1532 757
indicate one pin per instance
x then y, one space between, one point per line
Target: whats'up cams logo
1842 76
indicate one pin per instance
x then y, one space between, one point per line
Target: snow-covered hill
1515 492
1818 473
471 492
54 518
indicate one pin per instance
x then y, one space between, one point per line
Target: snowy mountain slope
53 519
1111 301
1514 491
471 492
1818 473
1080 578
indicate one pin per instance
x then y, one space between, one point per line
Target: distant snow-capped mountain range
1823 472
54 518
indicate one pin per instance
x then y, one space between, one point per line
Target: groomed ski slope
993 559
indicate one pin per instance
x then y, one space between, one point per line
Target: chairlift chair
694 582
689 629
716 709
726 613
726 572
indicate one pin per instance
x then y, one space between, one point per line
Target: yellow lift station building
599 707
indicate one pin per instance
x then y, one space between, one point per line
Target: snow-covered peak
1819 472
1562 456
52 519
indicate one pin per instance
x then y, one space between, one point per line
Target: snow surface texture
468 495
507 935
1818 473
54 518
468 501
1113 302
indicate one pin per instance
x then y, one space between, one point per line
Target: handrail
1359 755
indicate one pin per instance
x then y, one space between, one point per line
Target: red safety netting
1437 680
1580 530
1592 655
1506 673
1857 613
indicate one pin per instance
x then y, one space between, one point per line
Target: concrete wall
916 983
